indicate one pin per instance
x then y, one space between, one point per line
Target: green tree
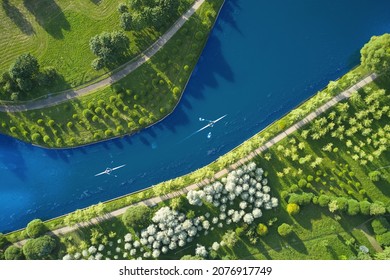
126 21
380 225
230 239
24 70
35 228
177 203
3 241
323 200
292 208
353 207
375 55
109 47
137 217
13 253
40 248
377 208
262 229
285 229
385 255
384 239
365 207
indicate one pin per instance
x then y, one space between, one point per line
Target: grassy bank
58 34
142 98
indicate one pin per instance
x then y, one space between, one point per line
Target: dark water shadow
18 18
49 16
230 8
13 159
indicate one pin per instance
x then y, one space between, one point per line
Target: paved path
155 200
127 69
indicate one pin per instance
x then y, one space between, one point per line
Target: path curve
127 69
155 200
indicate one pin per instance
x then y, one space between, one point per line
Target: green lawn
139 100
58 34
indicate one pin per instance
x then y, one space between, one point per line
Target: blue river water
262 59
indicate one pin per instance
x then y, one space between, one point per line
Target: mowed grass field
58 34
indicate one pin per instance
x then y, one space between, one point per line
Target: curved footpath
127 69
155 200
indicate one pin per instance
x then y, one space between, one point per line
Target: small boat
109 170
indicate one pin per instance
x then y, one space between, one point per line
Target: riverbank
130 103
246 151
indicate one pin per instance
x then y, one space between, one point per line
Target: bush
365 207
122 8
380 225
285 229
13 253
137 217
35 228
293 208
262 229
199 35
40 248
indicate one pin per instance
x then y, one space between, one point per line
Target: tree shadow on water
17 17
229 10
49 15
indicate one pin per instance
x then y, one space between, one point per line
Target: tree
137 216
177 203
109 47
26 67
353 207
285 229
293 208
230 239
385 255
377 208
262 229
126 21
323 200
380 225
35 228
365 207
374 176
3 241
40 248
13 253
384 239
375 55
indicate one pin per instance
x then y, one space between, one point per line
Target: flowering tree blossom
257 213
200 251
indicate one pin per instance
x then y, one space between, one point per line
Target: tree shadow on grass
296 243
18 18
307 214
50 16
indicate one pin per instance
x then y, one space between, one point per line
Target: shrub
262 229
199 35
122 8
310 178
380 225
126 21
40 248
293 208
13 253
284 229
365 207
190 214
35 228
137 217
